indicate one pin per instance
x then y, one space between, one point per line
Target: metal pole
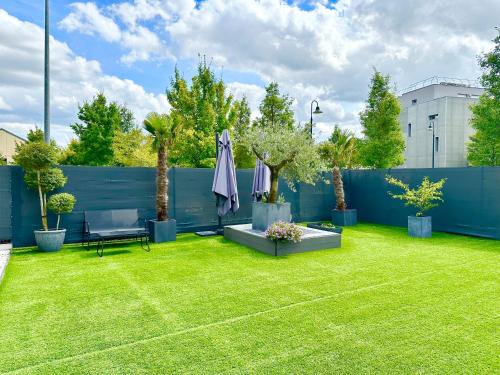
312 119
219 219
46 98
433 126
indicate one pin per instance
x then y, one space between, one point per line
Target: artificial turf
383 303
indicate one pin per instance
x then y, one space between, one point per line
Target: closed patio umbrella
261 180
225 186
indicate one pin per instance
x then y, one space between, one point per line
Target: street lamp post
317 111
46 91
433 127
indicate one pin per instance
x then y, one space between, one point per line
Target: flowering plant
281 231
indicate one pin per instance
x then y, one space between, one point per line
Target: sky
315 49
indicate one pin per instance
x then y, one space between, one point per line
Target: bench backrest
112 219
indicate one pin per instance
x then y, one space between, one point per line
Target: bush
281 231
61 203
423 198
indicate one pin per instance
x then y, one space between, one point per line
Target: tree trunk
58 220
43 209
161 185
273 193
339 188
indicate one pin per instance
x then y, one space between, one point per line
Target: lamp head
317 111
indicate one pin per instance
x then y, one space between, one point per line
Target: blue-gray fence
471 206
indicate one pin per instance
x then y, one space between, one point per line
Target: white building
440 106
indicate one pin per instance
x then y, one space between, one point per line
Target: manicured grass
383 303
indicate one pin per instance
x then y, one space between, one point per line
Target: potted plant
423 198
38 159
287 152
339 152
281 232
161 127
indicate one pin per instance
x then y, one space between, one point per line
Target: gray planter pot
162 231
318 226
345 218
420 226
50 240
264 214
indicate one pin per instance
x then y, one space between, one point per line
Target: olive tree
287 152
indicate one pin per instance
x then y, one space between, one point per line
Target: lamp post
317 111
432 127
46 88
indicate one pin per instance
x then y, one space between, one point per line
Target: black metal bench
113 225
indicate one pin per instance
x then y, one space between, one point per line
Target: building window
414 101
409 130
436 143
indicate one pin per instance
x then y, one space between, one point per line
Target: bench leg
100 246
145 239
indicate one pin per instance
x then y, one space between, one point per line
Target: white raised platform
313 239
5 250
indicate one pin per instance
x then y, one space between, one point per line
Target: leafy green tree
275 109
484 146
99 120
423 198
163 130
339 152
38 159
383 145
61 203
243 157
289 152
198 111
133 149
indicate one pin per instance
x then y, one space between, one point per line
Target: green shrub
423 198
61 203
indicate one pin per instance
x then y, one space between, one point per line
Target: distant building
8 143
441 104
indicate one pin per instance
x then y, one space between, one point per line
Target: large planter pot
162 231
420 226
50 240
327 229
345 218
265 214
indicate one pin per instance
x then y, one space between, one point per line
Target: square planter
345 218
162 231
319 227
420 226
264 214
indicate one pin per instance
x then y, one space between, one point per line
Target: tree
484 146
38 159
133 149
423 198
3 160
99 120
384 144
243 157
339 152
289 152
198 112
275 109
163 130
61 203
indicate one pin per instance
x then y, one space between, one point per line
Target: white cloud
73 80
324 52
87 19
4 106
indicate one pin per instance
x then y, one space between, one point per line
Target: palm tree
162 129
339 152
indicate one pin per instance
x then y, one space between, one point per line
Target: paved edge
5 250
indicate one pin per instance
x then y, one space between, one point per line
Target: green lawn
383 303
